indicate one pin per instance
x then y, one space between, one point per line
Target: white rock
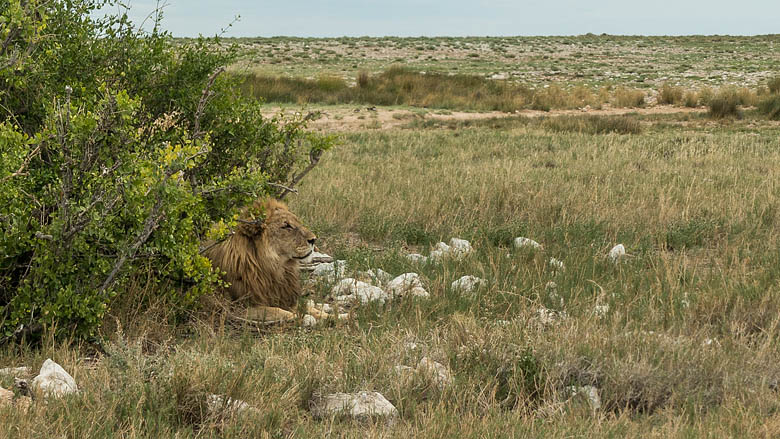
438 255
557 265
380 276
220 404
550 317
591 393
552 293
440 373
442 247
405 372
467 284
406 284
356 405
527 242
460 247
320 258
53 380
350 290
601 310
417 258
309 320
331 270
617 253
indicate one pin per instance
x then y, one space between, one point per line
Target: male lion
261 259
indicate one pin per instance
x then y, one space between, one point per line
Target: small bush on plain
725 104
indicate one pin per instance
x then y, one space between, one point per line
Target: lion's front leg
269 314
316 312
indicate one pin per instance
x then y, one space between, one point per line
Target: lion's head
280 230
261 259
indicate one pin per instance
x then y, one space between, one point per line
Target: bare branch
286 188
314 158
196 133
21 169
150 224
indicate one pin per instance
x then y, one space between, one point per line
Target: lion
261 261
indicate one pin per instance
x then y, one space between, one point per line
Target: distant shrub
690 99
629 98
669 95
746 96
770 106
774 85
705 96
725 104
362 78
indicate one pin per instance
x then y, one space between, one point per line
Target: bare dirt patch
379 118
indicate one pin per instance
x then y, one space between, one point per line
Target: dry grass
401 86
687 348
628 98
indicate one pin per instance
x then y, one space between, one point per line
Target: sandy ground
344 119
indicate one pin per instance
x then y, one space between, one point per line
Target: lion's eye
287 226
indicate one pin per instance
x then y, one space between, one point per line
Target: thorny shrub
119 153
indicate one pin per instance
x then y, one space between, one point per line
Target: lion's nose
311 241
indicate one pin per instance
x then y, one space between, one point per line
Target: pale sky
334 18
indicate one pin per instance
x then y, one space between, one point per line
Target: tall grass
770 106
395 86
687 347
725 104
401 86
670 95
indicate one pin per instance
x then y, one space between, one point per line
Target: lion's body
260 260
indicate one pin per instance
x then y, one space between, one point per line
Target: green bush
119 153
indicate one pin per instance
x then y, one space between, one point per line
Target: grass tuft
770 106
725 104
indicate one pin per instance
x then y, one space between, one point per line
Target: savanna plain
667 145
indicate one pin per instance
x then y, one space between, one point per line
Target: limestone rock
406 284
617 253
309 320
351 290
557 265
379 276
360 405
417 258
440 373
521 242
314 260
225 405
330 270
440 252
467 284
591 393
549 317
460 247
53 380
